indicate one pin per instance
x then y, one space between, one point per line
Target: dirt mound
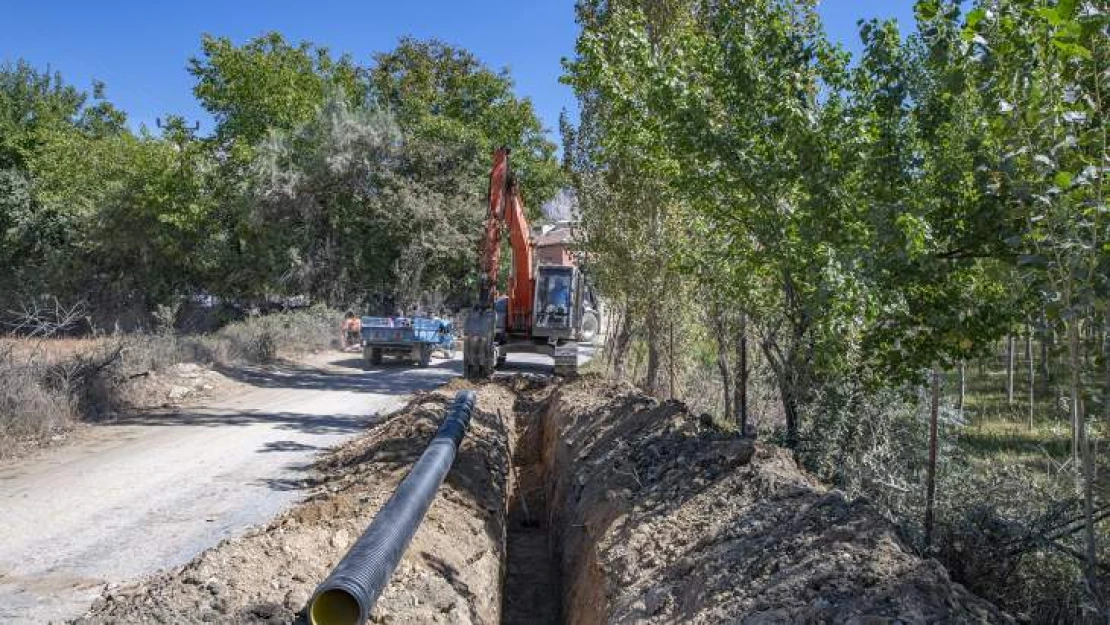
653 516
664 519
450 574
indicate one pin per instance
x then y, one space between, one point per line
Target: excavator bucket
479 349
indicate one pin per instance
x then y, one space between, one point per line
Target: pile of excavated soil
622 508
664 519
451 572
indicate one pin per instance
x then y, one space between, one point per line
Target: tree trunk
1089 537
740 388
651 379
621 343
790 370
1032 374
1073 364
931 470
963 388
721 334
672 369
790 410
787 391
1091 469
1010 370
1046 342
1082 445
610 336
1106 364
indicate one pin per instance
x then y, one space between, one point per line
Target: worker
351 332
559 295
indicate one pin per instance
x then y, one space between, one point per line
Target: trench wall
659 517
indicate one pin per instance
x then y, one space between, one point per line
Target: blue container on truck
411 338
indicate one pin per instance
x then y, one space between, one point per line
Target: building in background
553 245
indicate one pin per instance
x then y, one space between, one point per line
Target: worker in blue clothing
558 294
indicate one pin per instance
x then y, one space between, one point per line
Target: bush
48 386
255 340
261 339
991 513
30 407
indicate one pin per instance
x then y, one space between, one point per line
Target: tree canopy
861 222
323 177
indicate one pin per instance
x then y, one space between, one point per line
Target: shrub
48 386
992 513
30 407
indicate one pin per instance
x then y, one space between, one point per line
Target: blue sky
140 49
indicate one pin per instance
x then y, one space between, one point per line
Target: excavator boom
522 283
506 212
491 239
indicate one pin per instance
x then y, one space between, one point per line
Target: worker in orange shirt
351 331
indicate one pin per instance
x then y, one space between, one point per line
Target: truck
410 338
545 304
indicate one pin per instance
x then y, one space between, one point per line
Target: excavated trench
531 591
583 502
626 509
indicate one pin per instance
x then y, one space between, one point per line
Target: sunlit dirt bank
580 502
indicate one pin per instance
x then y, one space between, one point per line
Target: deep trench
531 594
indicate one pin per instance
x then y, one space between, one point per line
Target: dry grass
30 405
47 385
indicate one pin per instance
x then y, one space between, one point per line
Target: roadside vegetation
347 183
49 384
324 181
852 253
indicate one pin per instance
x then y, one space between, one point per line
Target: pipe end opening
335 607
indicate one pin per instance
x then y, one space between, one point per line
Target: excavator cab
557 315
554 315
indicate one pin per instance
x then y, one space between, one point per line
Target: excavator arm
506 212
490 250
522 282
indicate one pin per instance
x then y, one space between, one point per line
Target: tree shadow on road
382 380
291 421
278 446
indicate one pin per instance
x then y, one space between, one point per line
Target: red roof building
553 246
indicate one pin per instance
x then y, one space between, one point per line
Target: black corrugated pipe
348 594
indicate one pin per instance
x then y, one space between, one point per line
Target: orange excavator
543 309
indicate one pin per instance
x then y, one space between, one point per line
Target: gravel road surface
155 489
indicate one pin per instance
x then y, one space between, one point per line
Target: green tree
33 102
1044 79
343 216
268 83
446 96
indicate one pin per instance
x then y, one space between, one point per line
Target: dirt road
155 489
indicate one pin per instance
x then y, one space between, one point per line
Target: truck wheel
425 356
589 326
375 356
